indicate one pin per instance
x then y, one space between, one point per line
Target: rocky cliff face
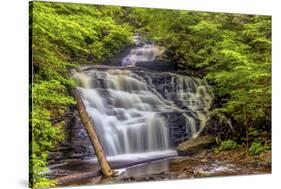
76 145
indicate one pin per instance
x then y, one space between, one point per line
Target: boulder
195 145
218 129
266 157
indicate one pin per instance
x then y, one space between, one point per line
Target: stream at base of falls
204 164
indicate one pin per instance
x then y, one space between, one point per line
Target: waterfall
137 112
124 112
126 109
145 53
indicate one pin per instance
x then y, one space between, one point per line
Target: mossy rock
195 145
266 157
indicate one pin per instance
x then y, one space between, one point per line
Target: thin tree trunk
86 120
247 133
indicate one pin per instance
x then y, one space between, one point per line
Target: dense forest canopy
232 51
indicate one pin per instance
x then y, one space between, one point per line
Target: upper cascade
142 53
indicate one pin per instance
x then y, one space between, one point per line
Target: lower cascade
130 109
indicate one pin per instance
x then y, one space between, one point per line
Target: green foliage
232 51
49 102
37 165
228 145
256 148
62 33
62 36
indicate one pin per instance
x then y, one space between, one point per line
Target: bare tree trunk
86 120
247 133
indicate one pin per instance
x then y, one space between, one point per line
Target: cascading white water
126 110
193 93
146 53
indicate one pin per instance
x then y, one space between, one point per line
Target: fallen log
88 125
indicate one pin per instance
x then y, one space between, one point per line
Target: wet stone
195 145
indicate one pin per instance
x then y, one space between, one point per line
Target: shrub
256 148
228 145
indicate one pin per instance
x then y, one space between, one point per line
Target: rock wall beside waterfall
177 127
76 144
